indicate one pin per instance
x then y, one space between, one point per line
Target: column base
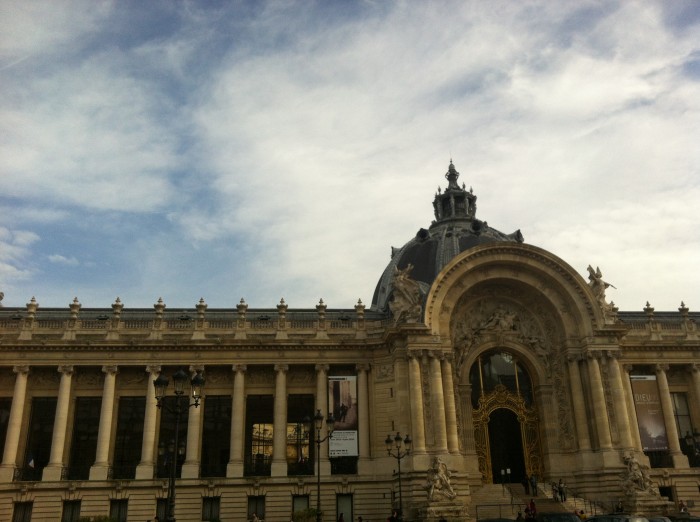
52 472
278 469
234 470
190 470
144 472
7 473
99 472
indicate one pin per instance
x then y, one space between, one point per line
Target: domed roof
454 230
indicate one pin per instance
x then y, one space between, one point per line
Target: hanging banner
650 417
342 397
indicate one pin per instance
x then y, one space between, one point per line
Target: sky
268 150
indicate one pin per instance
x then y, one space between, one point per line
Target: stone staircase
504 501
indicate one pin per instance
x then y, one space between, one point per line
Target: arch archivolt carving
543 273
512 317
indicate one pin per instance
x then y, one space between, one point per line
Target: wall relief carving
504 313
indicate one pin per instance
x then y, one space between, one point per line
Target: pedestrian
555 492
533 508
526 485
533 484
562 490
341 518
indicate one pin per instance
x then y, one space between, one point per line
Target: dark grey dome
454 230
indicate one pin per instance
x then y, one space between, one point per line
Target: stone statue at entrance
635 478
438 483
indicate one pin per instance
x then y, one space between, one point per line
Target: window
499 368
299 409
300 503
210 508
256 505
216 436
689 437
259 432
166 438
162 508
344 465
71 511
22 512
5 407
129 437
343 502
86 423
39 438
118 509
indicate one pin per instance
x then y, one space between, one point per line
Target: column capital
196 368
21 368
363 367
694 367
613 354
661 368
628 367
322 367
153 368
66 369
281 367
239 368
111 369
593 355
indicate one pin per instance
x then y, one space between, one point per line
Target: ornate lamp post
181 403
401 448
318 439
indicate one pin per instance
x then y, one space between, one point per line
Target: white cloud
305 149
62 260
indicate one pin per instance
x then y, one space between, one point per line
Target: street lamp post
181 403
318 439
401 448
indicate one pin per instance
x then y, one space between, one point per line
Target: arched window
499 367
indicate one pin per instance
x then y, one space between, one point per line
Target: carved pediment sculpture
598 286
406 298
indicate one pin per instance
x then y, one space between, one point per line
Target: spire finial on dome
452 176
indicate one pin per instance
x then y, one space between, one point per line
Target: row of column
190 468
442 400
623 404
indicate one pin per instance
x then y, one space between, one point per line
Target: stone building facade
497 358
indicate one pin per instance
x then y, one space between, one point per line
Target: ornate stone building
496 356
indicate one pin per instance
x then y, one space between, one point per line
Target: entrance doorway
506 446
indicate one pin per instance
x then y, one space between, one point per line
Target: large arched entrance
506 446
505 421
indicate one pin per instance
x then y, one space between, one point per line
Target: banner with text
650 417
342 396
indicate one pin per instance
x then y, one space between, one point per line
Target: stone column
619 401
448 391
54 469
363 413
190 468
584 441
599 407
631 408
279 430
322 404
100 469
437 400
674 445
417 418
14 425
145 468
236 463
